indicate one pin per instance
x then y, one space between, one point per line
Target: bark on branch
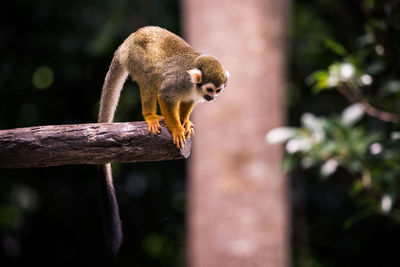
96 143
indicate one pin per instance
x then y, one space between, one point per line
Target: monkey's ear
195 75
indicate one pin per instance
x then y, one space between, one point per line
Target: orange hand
153 122
189 128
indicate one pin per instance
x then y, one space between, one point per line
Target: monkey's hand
153 122
189 128
178 137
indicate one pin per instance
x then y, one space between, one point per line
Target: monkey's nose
208 98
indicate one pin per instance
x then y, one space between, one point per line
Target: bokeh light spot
42 77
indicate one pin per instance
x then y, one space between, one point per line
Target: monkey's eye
218 90
200 84
210 90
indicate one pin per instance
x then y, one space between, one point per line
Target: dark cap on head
212 70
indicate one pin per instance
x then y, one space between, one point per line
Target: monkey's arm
170 111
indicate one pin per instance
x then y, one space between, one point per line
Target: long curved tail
112 222
112 87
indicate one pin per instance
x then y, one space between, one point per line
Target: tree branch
96 143
368 108
380 114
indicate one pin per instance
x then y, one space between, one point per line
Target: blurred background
342 146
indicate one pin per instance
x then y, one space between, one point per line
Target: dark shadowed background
54 57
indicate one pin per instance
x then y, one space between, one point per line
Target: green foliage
327 143
365 72
344 161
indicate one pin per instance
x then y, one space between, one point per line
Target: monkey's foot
153 122
189 128
178 137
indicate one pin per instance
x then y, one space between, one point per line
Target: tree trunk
238 193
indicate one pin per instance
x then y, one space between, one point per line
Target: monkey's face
210 91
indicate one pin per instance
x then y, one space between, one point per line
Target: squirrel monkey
168 71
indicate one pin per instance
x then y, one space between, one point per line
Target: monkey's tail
112 222
112 87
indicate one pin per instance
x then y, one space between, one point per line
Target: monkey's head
209 76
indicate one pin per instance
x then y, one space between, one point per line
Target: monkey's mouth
208 98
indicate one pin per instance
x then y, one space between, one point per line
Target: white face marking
208 88
202 92
210 91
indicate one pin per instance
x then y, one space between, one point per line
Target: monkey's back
148 50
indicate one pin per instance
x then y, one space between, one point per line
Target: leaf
289 162
312 122
357 217
352 114
281 134
375 67
335 47
391 87
329 167
301 144
319 80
